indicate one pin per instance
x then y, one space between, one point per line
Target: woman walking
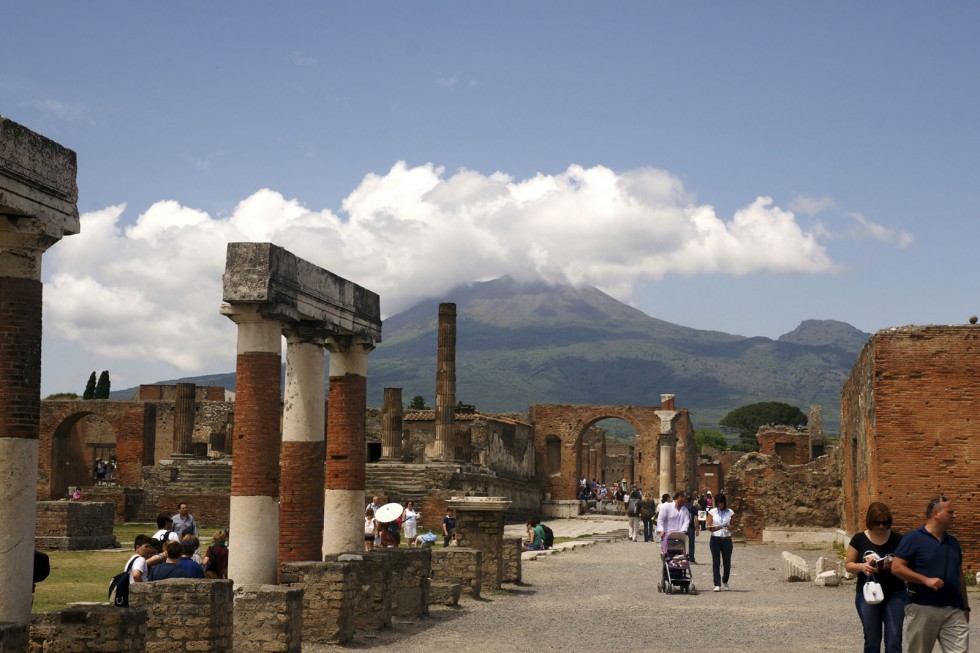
869 555
410 522
720 544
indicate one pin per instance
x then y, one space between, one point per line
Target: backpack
120 584
632 506
549 537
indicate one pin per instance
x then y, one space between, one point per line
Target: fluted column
184 407
37 208
303 446
391 424
254 509
445 416
343 515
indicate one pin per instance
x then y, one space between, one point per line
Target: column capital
306 332
347 344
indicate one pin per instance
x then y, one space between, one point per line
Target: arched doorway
78 444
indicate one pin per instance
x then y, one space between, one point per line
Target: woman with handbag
881 596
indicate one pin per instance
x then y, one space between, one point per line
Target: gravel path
605 597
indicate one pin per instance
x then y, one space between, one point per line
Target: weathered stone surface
795 568
75 525
827 579
458 565
328 598
197 615
268 619
827 563
444 593
89 628
293 289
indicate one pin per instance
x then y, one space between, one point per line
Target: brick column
343 516
480 525
254 507
184 406
391 424
300 491
37 208
445 440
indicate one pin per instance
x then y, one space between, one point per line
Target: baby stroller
676 568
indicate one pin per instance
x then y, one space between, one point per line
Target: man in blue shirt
930 560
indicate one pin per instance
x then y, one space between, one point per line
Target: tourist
374 505
165 533
370 529
448 526
664 499
869 556
100 471
186 562
633 512
673 518
720 543
709 502
196 556
183 522
169 568
410 522
535 536
215 562
648 510
931 561
136 565
693 526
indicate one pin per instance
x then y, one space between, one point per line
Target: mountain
519 344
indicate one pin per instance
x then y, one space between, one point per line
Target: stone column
391 424
445 441
38 193
480 525
184 407
254 508
303 446
343 516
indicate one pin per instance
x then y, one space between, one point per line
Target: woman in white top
410 522
719 519
370 529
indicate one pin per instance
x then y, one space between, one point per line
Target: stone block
186 614
268 619
829 563
827 578
442 593
328 598
795 568
89 628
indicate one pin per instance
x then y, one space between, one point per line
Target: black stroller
677 576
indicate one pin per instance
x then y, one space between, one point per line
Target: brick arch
132 421
568 422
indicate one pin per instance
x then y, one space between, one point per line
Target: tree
418 403
89 388
63 395
747 419
710 438
102 387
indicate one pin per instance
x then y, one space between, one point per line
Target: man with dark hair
673 517
144 547
169 567
187 562
166 530
183 522
930 560
693 526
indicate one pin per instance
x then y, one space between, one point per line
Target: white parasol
389 512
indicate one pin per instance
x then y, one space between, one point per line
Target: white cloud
151 291
865 229
67 111
448 82
810 205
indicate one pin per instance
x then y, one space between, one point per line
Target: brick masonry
458 565
372 576
20 357
909 428
328 598
74 525
268 619
88 629
788 444
186 615
258 408
512 560
301 498
346 445
409 587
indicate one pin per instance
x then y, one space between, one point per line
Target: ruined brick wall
186 614
763 491
788 444
458 565
910 430
88 629
268 619
169 393
74 525
210 508
328 598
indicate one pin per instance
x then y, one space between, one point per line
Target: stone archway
567 423
133 424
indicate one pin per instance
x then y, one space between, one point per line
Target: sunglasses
882 523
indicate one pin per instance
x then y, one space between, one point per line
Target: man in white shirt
673 518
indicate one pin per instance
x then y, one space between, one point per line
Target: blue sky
738 167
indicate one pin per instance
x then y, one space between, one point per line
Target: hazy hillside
523 344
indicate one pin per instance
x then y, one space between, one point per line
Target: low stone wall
328 598
92 628
74 525
268 619
13 638
458 565
511 555
410 572
372 600
561 509
777 535
186 615
114 494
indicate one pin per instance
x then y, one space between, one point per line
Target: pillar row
254 509
346 445
391 424
303 446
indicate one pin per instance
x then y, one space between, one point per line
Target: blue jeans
648 530
890 613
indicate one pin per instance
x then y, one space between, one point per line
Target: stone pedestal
480 525
454 565
410 572
268 619
186 614
91 628
372 600
328 598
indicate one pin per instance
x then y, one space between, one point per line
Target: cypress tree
89 388
102 388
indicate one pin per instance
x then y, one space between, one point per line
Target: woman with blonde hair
869 556
215 560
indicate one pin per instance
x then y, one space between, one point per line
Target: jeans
890 613
721 550
648 530
691 537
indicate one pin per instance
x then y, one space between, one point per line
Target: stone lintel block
795 568
37 182
292 289
490 504
827 579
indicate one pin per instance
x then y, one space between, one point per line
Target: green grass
84 576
